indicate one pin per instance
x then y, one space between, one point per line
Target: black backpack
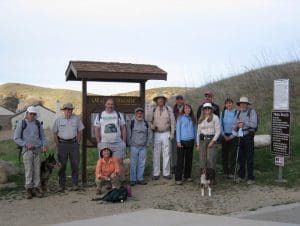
116 195
254 130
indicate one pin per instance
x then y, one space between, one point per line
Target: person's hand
179 145
29 146
171 136
198 147
211 143
240 124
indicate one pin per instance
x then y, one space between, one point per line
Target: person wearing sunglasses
209 130
30 135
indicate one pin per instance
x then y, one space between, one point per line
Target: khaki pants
32 167
114 182
208 156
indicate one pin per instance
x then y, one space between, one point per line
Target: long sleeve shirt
185 129
31 134
227 121
138 133
209 128
249 121
163 120
106 168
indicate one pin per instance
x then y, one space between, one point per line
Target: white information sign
281 94
279 161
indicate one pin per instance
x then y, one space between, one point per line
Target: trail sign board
280 138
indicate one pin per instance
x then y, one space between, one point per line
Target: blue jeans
137 163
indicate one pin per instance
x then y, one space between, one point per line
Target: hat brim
238 103
155 98
66 108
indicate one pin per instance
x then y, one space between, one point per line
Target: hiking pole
236 159
239 135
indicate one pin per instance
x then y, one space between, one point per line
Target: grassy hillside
257 85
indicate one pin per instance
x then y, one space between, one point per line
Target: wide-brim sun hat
243 100
67 106
207 105
160 96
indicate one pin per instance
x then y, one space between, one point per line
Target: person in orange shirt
107 171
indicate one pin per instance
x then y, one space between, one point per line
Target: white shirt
110 125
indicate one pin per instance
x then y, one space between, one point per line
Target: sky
195 41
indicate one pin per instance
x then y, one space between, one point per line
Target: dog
46 169
207 180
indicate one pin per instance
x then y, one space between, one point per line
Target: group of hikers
173 133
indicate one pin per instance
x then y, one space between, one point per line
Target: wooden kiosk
85 71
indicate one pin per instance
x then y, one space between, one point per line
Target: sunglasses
32 114
206 108
68 109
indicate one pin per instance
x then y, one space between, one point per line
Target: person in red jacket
107 171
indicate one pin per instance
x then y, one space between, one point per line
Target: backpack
254 130
24 125
116 195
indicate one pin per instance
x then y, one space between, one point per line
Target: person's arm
123 131
97 129
43 139
173 123
98 171
80 127
17 135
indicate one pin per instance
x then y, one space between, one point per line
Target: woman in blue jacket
185 136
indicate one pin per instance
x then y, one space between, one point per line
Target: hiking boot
132 183
61 189
98 191
155 177
38 193
249 182
29 193
141 182
75 188
169 177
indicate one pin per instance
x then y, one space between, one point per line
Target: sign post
280 137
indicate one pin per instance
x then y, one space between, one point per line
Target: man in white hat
67 135
163 126
246 122
29 134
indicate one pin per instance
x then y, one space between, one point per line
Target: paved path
155 217
284 213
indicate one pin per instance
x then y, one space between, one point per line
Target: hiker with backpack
208 98
110 131
30 135
228 140
163 125
246 122
67 132
139 136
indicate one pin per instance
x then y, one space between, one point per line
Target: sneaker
249 182
168 177
132 183
178 182
29 193
142 182
155 177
